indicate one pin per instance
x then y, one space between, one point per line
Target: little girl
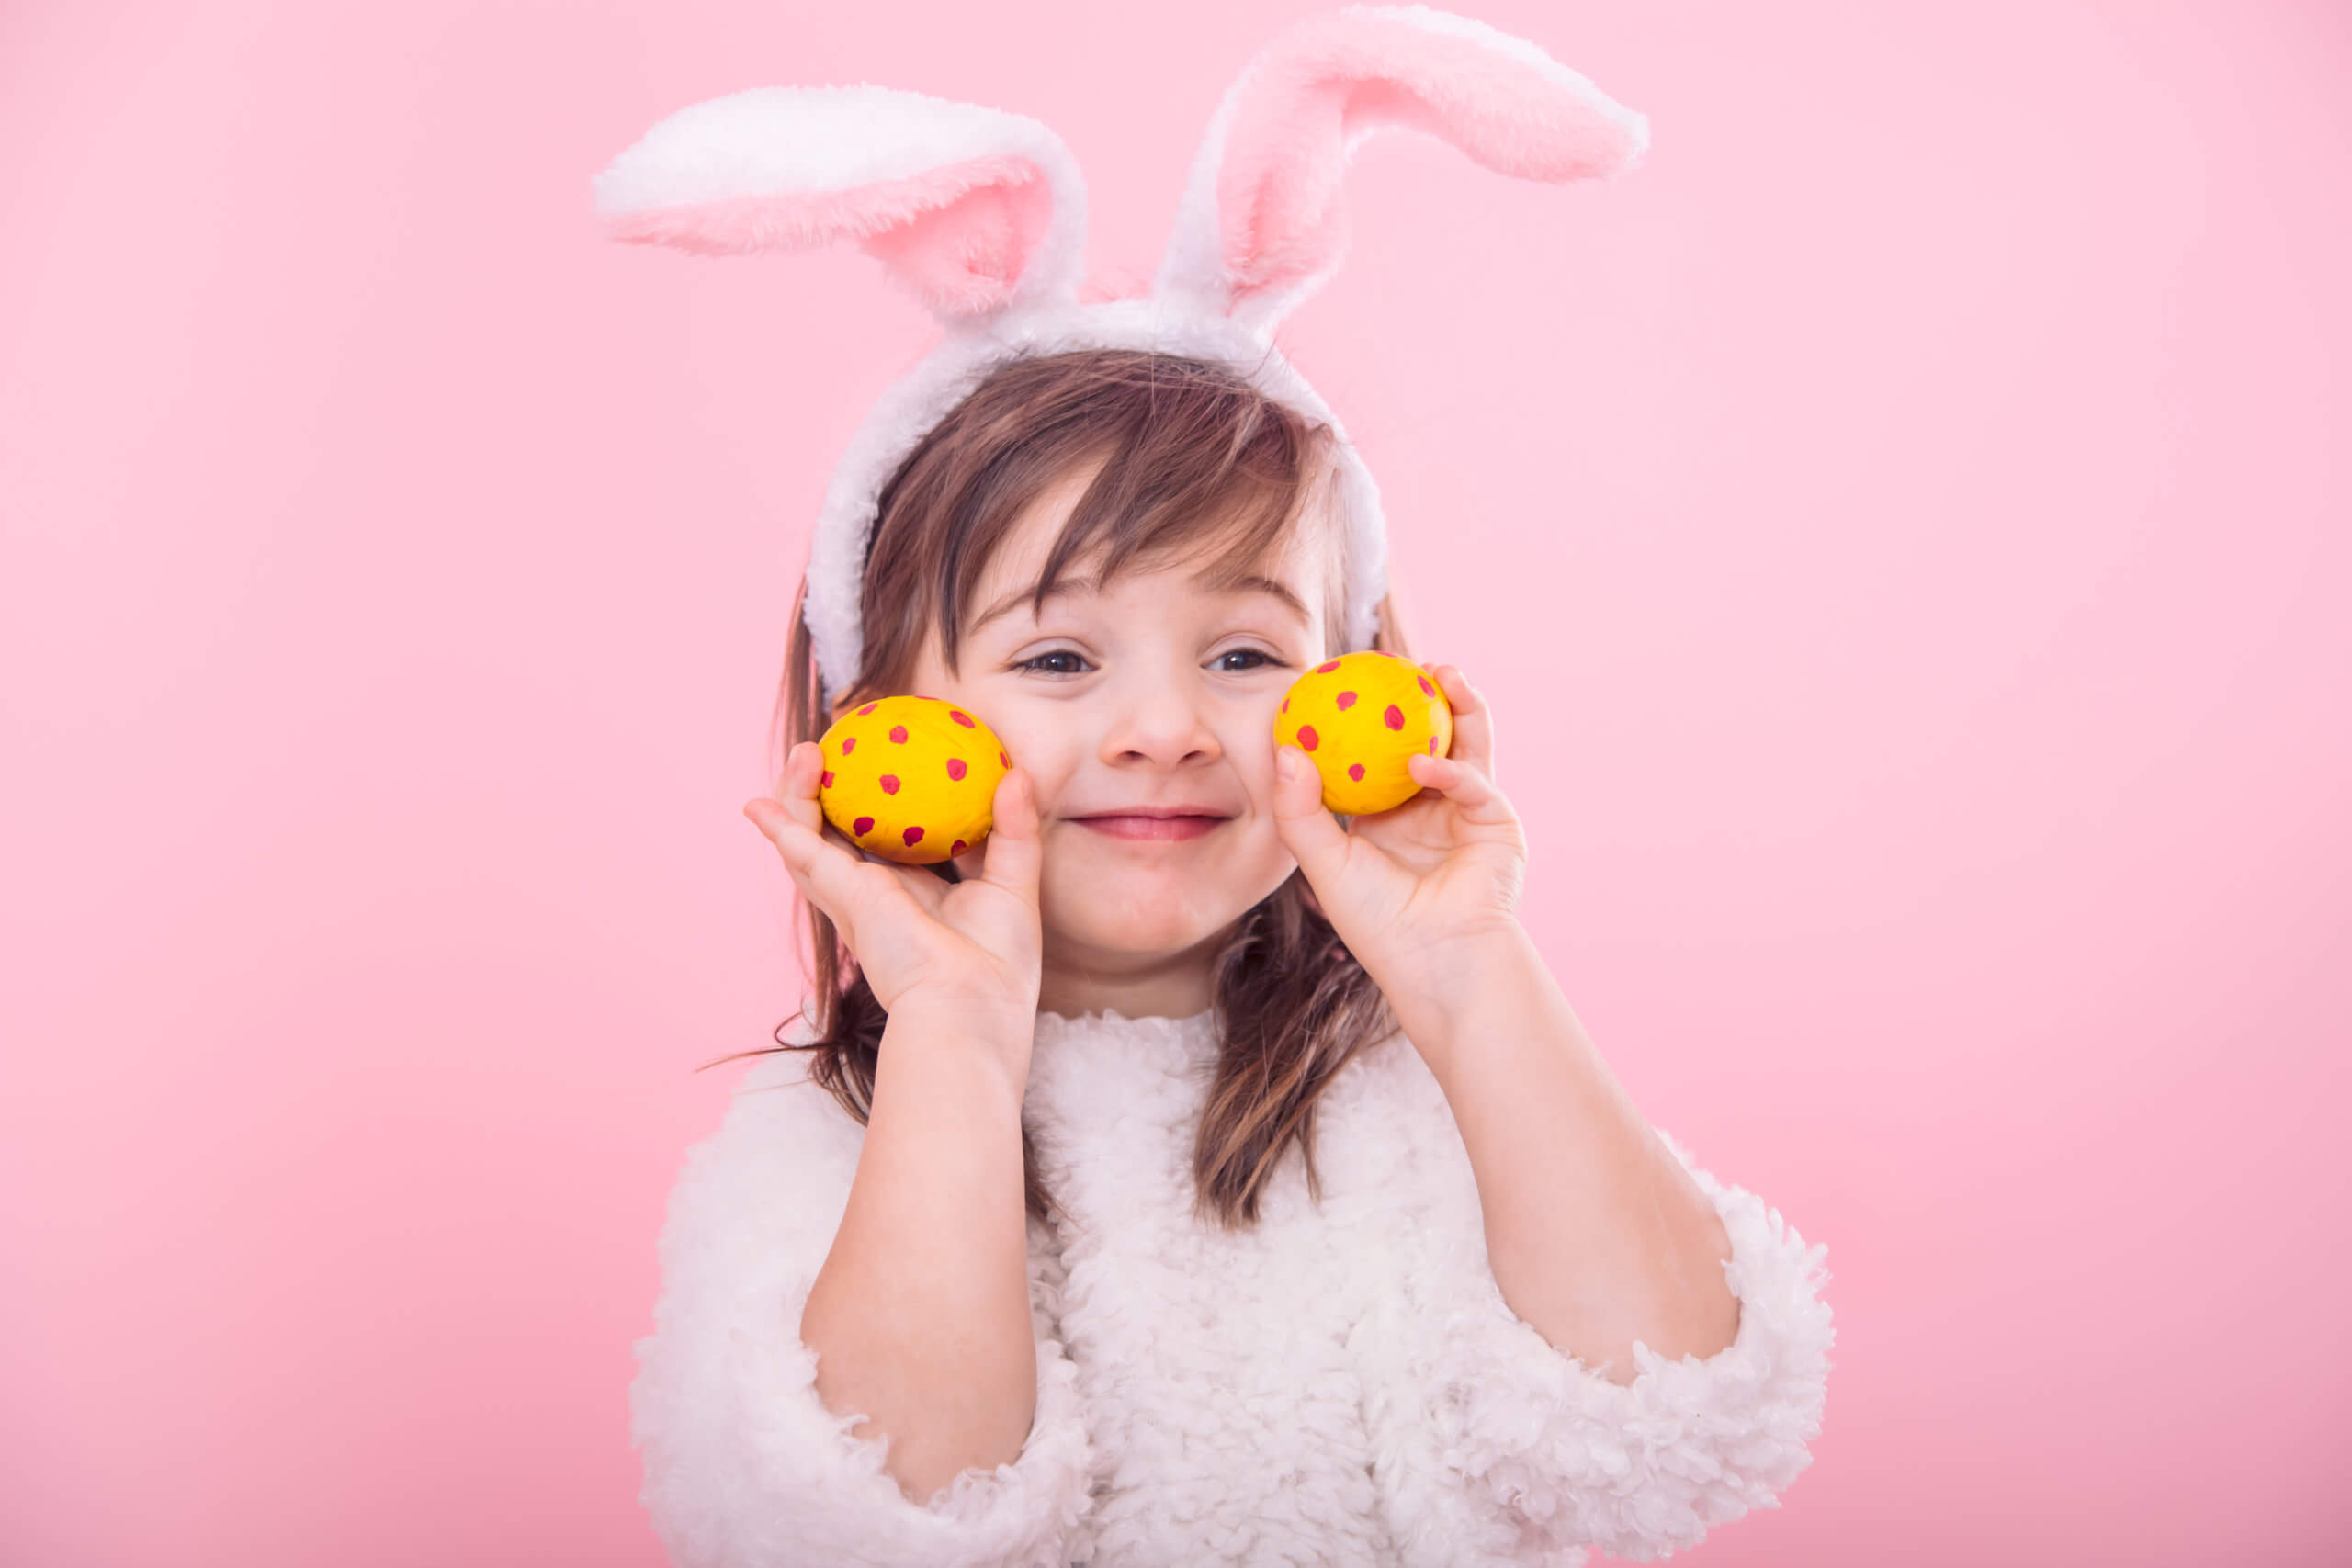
1183 1175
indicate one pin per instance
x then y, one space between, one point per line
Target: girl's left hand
1414 891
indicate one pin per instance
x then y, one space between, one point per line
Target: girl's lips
1148 828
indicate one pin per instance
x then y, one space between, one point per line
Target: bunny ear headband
981 215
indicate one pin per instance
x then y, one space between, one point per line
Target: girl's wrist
1000 1026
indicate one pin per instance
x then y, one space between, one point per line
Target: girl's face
1156 694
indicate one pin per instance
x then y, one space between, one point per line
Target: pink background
1901 527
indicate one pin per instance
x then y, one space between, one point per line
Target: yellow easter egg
911 779
1360 717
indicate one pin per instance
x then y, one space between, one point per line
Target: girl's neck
1077 980
1174 992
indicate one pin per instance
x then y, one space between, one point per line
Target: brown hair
1197 463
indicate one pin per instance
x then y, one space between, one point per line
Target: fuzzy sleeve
1533 1456
744 1466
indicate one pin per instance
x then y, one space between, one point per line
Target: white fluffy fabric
744 1466
808 142
1343 1384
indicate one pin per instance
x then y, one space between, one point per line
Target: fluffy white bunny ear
1262 223
972 209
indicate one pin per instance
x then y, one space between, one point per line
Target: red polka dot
1307 738
1395 718
1285 705
869 707
914 835
1346 699
897 734
849 744
957 848
1355 772
1327 668
889 783
1427 689
1003 760
1432 745
826 778
960 716
956 769
862 826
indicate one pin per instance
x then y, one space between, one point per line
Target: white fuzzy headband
983 215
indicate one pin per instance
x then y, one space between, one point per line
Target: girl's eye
1057 654
1264 658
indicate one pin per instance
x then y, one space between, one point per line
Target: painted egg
911 779
1358 717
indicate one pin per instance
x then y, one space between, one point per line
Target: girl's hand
973 944
1414 891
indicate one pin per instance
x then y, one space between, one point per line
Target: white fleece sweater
1343 1385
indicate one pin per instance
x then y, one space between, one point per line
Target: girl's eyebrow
1253 584
1280 591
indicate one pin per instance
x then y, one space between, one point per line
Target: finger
1013 857
1471 790
795 792
825 872
1474 721
801 788
1307 829
798 794
823 860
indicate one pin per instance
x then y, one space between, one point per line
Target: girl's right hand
977 944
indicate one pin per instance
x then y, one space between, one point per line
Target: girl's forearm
1596 1234
920 1318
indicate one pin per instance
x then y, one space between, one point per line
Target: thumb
1317 842
1012 856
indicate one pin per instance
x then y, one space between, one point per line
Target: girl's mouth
1151 828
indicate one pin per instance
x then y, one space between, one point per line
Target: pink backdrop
1901 527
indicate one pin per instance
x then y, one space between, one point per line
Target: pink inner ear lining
1281 215
960 235
967 255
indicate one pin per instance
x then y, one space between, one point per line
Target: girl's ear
970 208
1262 223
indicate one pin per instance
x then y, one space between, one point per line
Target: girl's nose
1163 725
